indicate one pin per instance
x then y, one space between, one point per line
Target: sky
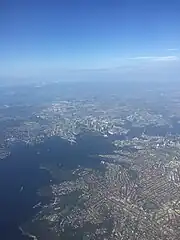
89 39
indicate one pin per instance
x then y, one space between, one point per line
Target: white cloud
173 49
141 58
156 58
167 58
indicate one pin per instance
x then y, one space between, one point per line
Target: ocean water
21 176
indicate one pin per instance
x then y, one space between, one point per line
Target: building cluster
135 194
140 197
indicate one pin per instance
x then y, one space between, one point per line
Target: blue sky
69 39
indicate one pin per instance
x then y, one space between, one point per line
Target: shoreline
27 234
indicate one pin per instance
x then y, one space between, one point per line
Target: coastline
27 234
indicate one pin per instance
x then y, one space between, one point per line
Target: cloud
156 58
167 58
141 58
173 49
